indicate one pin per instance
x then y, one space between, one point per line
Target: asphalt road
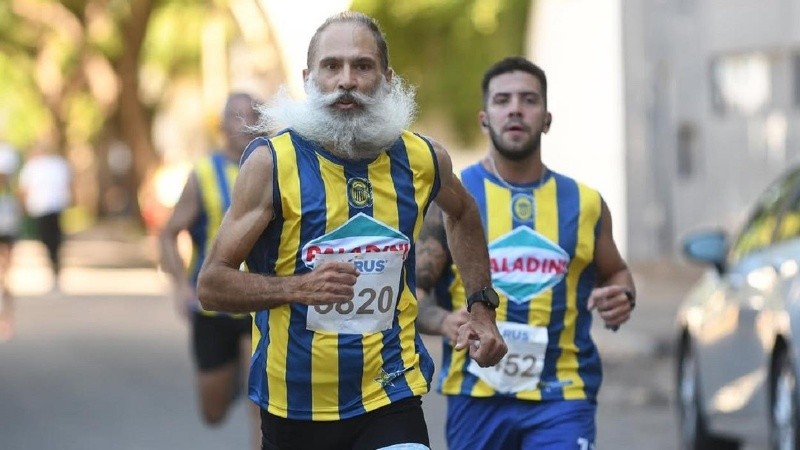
105 364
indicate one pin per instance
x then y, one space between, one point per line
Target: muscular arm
184 214
614 277
467 243
222 287
431 251
462 223
431 260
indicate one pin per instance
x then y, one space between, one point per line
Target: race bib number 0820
372 307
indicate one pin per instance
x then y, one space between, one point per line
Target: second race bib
522 366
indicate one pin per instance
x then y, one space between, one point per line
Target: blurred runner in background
10 222
220 342
45 183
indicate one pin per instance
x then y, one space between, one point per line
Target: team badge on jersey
359 192
525 263
522 207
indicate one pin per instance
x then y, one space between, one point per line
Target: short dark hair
513 64
356 18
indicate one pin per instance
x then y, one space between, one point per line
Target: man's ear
548 119
306 74
388 74
482 120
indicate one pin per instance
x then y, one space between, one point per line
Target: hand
613 305
184 298
486 346
329 282
452 322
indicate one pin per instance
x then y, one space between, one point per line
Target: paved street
105 365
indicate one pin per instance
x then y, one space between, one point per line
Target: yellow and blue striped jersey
216 175
541 243
327 206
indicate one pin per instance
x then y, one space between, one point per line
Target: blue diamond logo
525 263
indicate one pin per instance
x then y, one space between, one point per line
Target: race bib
372 307
521 368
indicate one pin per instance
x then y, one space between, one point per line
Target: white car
739 331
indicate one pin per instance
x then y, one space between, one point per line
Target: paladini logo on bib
525 263
360 234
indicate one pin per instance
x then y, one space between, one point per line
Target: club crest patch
359 193
522 207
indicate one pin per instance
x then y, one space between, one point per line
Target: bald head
239 117
356 18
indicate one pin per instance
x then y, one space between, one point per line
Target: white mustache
342 95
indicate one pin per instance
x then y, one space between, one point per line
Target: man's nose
515 107
347 80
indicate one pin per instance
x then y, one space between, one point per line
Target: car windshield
758 230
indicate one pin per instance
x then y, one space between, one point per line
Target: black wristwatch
487 296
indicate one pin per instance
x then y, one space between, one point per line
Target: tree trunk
133 120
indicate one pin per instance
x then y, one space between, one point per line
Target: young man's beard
518 154
358 134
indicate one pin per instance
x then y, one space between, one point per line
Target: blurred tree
444 46
85 58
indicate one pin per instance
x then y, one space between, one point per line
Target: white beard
360 134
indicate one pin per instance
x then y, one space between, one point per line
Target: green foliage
172 46
443 47
175 37
84 118
22 115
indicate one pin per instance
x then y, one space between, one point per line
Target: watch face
491 296
487 296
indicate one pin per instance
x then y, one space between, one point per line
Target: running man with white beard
325 215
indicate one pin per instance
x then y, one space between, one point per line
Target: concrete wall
680 163
578 43
671 48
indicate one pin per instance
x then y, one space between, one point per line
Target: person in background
10 223
220 341
553 259
326 214
45 183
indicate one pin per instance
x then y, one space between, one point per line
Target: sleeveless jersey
331 363
541 242
215 176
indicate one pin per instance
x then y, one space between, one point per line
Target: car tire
691 424
784 405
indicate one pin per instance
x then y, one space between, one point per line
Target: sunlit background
679 112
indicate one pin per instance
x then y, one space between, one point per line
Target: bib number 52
515 364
